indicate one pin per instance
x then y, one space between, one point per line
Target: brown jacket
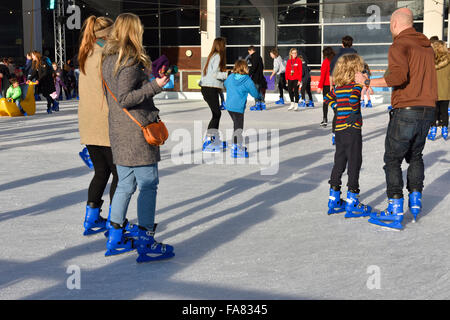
93 107
443 78
411 71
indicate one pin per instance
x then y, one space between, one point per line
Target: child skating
239 85
345 100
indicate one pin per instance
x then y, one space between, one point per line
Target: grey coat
133 91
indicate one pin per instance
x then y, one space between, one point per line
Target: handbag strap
115 99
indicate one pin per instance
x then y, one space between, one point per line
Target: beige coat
93 108
443 79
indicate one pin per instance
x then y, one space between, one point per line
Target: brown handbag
155 133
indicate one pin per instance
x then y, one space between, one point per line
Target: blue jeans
405 139
144 177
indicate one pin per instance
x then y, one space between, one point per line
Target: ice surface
237 234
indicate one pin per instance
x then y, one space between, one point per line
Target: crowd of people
112 62
50 79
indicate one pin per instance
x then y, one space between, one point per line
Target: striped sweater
345 100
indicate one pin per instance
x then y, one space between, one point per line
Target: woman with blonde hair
293 77
213 75
127 88
345 100
442 63
239 85
93 119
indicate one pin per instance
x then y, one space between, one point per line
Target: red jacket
324 74
294 69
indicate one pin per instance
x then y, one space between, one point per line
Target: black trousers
212 97
293 90
348 155
50 101
281 82
102 160
405 139
306 88
238 126
325 91
441 115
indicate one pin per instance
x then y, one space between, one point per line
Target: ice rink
240 230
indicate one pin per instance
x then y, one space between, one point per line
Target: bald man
412 75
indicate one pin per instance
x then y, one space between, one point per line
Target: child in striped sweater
345 100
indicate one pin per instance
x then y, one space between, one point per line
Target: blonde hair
126 40
240 67
88 37
441 54
290 52
346 68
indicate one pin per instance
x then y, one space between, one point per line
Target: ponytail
90 26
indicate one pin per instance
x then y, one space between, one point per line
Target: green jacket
14 93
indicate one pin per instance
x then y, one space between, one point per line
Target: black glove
353 118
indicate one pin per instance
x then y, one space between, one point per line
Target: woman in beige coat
93 119
442 62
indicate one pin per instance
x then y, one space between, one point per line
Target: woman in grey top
127 86
213 76
279 69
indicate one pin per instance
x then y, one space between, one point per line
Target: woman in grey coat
127 86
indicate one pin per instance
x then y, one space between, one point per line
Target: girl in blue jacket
239 85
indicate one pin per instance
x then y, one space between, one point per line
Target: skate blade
146 258
396 226
89 232
114 252
355 215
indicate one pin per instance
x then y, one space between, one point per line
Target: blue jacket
238 87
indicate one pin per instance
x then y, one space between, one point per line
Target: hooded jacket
411 70
238 87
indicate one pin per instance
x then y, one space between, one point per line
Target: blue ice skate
369 104
362 105
117 241
302 104
333 139
310 104
256 107
354 208
415 203
222 106
444 132
389 108
335 203
214 145
262 106
392 217
432 134
281 101
150 250
93 222
238 151
84 155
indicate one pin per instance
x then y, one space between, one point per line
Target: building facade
184 29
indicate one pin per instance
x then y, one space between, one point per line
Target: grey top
133 91
279 66
214 77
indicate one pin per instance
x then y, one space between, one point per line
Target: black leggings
103 166
306 86
325 91
441 113
238 126
211 96
50 101
293 90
